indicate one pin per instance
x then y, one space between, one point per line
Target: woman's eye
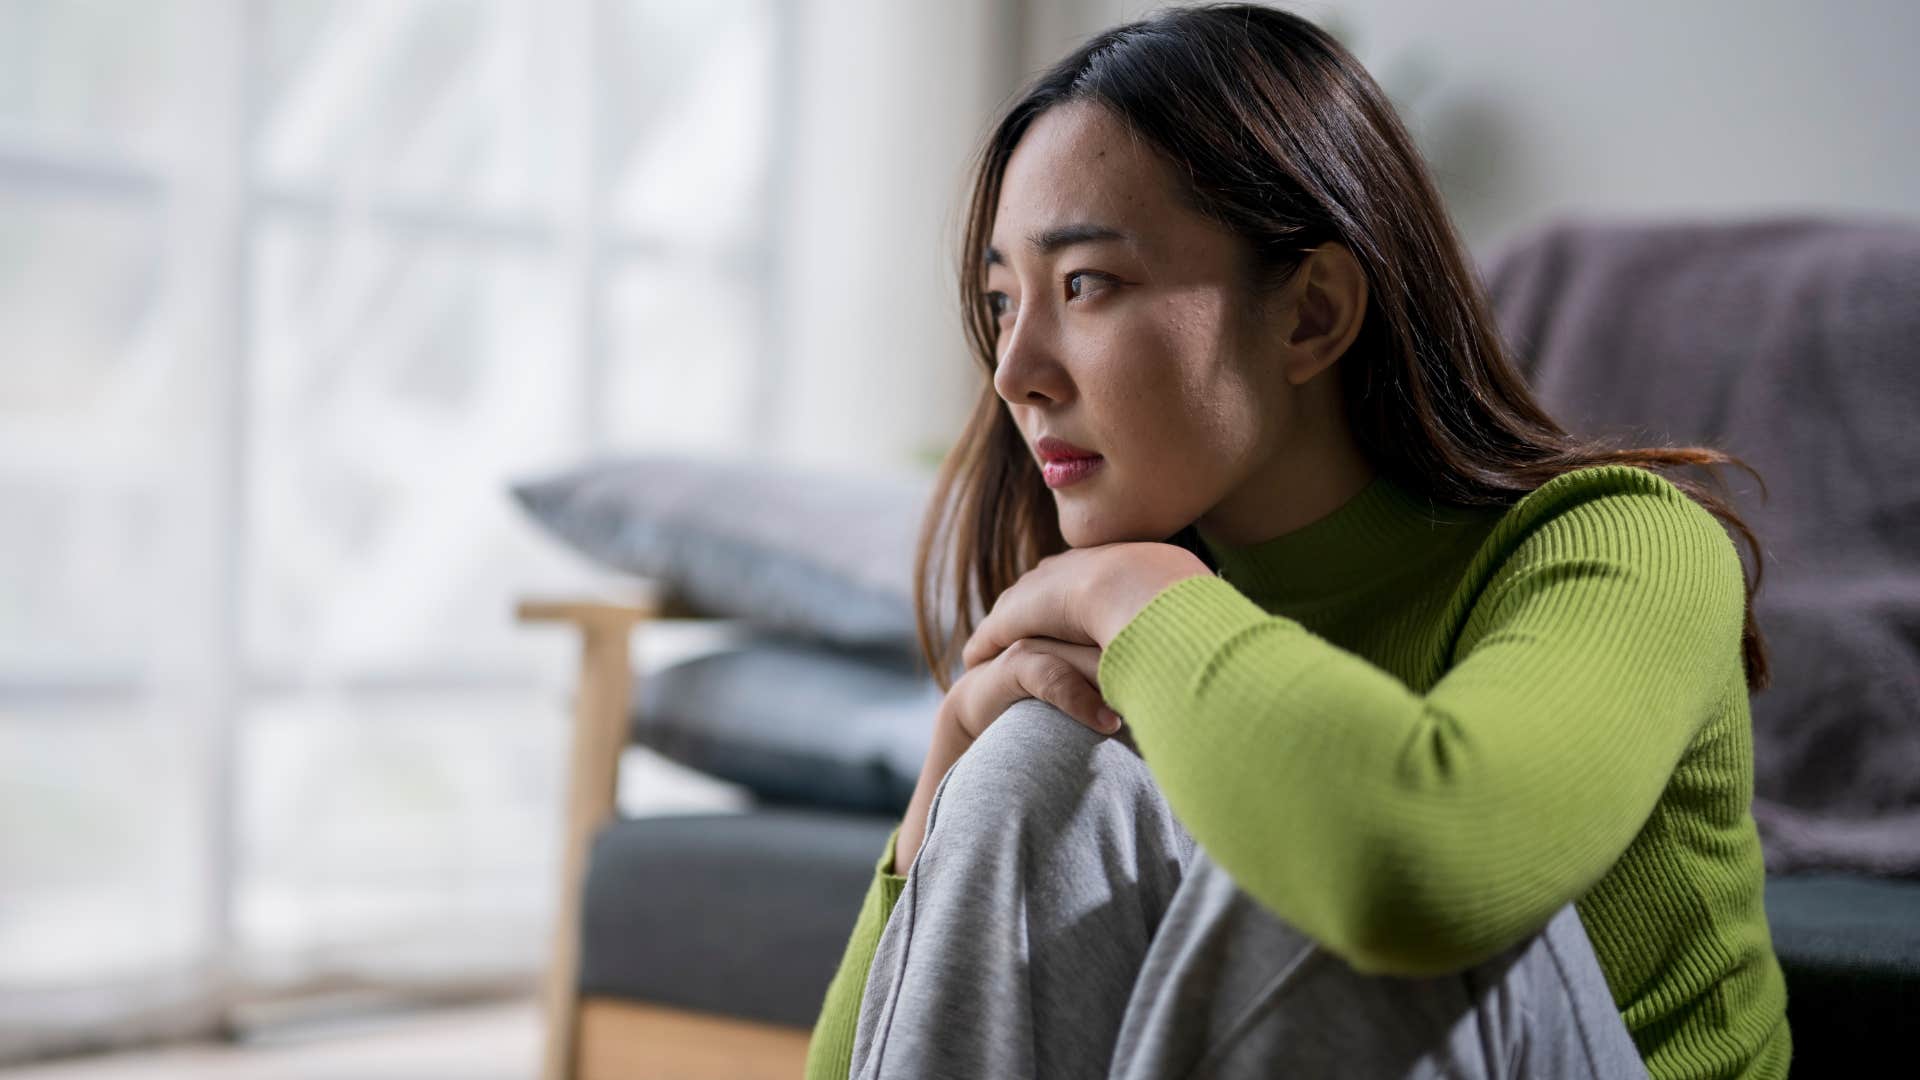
1077 276
999 304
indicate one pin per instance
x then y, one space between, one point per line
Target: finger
1036 611
1086 660
984 644
1056 681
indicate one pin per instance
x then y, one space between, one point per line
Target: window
289 291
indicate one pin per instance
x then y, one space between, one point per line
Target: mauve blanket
1794 343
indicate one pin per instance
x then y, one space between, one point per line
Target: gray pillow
795 721
811 553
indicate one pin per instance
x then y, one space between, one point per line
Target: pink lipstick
1064 471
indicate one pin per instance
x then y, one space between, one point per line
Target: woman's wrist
1139 573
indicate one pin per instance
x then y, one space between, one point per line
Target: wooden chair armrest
584 612
603 612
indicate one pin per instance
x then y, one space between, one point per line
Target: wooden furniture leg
602 1038
600 726
629 1040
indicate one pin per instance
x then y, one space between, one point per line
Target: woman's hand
1081 596
1061 674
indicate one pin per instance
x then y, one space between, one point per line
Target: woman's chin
1086 524
1081 529
1079 534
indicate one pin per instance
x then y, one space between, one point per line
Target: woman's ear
1320 310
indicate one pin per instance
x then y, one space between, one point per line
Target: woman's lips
1063 471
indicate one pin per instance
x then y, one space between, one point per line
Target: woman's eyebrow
1048 241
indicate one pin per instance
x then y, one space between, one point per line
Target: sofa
1793 342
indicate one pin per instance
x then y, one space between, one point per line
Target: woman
1441 714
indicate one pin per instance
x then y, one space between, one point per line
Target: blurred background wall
291 289
1635 107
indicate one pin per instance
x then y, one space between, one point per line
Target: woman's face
1127 328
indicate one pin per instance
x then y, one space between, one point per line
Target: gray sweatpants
1059 922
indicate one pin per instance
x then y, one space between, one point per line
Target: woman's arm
830 1051
1420 833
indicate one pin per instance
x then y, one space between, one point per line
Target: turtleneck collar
1376 534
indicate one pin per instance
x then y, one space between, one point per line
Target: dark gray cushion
747 915
795 722
812 552
739 914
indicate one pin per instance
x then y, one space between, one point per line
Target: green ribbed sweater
1415 732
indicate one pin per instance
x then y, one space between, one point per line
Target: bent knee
1034 754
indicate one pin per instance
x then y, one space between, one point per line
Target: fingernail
1109 720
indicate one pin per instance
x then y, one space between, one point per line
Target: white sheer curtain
289 290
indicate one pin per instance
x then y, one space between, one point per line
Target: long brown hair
1285 139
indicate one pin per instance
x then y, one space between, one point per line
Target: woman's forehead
1077 166
1080 175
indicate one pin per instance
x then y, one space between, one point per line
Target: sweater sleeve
830 1051
1419 834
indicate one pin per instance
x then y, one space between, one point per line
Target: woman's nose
1028 372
